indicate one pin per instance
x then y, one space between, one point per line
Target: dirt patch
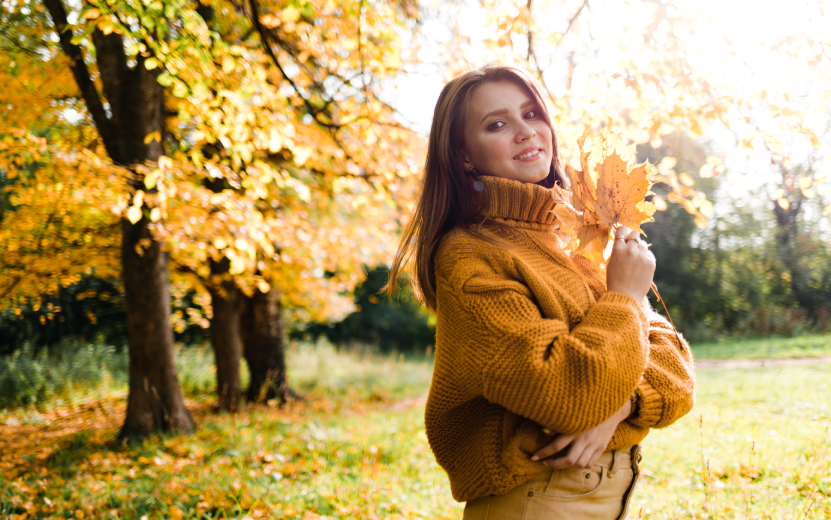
760 363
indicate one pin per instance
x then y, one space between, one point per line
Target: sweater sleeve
566 380
666 392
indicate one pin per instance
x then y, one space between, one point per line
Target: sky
749 25
749 28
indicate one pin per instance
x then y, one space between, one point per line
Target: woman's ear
468 166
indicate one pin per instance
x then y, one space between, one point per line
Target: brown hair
448 199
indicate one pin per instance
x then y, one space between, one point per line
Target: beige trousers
602 492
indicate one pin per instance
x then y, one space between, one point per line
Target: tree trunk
793 255
225 333
155 401
264 347
135 101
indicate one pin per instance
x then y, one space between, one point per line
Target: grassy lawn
755 446
774 348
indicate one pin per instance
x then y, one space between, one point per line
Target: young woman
547 374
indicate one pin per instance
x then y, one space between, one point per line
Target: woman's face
506 135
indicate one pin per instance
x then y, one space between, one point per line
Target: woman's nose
525 132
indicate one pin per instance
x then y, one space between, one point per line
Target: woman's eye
496 125
531 114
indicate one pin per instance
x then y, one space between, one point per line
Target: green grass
772 348
76 372
755 446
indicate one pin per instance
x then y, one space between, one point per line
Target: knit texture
528 338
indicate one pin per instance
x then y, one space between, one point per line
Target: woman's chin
534 178
528 176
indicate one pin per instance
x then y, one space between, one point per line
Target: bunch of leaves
609 191
612 190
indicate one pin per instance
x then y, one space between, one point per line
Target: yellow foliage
310 187
58 204
611 190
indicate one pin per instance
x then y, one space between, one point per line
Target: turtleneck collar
519 204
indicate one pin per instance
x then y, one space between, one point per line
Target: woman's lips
529 154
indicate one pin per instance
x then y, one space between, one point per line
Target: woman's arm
666 392
585 448
568 381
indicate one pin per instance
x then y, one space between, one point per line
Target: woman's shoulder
460 242
461 250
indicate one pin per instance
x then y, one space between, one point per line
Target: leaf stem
666 311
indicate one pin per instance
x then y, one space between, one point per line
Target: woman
547 376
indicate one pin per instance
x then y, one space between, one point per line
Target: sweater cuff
615 297
650 406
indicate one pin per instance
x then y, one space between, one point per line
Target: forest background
235 173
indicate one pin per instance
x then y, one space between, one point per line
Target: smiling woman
547 376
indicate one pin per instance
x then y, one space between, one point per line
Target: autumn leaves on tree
234 146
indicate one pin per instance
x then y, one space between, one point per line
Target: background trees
741 112
257 155
236 145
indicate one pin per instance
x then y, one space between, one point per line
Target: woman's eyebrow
501 111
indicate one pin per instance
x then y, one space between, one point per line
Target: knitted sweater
528 338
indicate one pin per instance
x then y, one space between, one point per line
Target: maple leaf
607 192
621 193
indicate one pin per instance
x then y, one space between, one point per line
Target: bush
401 324
92 310
28 377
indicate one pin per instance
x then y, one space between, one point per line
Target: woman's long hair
447 198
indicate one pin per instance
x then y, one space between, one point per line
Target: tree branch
265 36
576 15
529 34
82 77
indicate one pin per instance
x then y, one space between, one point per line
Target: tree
242 145
136 102
658 68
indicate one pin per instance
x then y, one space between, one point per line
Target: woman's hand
584 449
631 265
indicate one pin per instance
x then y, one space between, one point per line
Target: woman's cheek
502 150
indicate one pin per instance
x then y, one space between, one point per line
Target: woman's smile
529 154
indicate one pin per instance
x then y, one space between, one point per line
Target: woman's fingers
622 232
585 460
596 457
575 453
570 459
624 235
579 456
559 444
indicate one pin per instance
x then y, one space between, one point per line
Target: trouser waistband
621 458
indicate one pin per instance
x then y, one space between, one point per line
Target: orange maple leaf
609 191
621 193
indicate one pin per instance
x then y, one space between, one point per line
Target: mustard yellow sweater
528 338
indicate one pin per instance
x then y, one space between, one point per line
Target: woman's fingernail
535 458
